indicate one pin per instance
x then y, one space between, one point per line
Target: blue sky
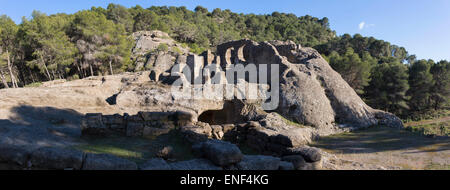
422 27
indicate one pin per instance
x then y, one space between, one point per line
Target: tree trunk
2 76
46 70
110 67
11 74
92 70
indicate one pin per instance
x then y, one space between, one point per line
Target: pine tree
440 92
387 88
420 82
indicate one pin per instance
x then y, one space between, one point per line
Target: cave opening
230 114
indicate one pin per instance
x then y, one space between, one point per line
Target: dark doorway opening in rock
230 114
112 100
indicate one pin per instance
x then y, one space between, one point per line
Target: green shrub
33 85
162 47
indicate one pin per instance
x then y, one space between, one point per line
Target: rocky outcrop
311 92
314 101
156 51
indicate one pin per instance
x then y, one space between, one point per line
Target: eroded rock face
311 92
156 51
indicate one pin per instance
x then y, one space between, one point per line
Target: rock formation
150 53
314 101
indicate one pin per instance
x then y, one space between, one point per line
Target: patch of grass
33 85
377 139
429 115
162 47
177 50
434 129
137 149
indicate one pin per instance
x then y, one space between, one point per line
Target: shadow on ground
33 127
381 139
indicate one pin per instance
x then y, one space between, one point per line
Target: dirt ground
386 148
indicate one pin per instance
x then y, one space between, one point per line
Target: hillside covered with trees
98 42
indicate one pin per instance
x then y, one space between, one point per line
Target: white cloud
361 25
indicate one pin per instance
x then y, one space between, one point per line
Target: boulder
107 162
156 164
310 154
195 133
297 160
57 158
217 132
221 153
165 153
197 164
259 163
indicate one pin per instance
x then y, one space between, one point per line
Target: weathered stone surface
57 158
310 154
115 119
135 129
297 160
156 116
217 132
184 118
107 162
149 56
195 133
221 153
92 124
197 164
259 163
14 154
152 131
156 164
311 92
227 128
388 119
286 166
165 153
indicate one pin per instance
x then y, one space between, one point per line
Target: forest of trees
97 42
